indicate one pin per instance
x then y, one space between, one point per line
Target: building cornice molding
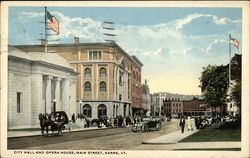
43 63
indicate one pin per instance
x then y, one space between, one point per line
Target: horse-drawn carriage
55 122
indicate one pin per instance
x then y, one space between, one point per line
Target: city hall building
38 82
105 77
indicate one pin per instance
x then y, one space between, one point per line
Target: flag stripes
53 23
234 42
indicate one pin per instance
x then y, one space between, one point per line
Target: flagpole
45 31
229 72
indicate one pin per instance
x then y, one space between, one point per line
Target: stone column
48 95
57 94
65 96
127 110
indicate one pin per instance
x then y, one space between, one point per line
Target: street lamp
120 98
80 102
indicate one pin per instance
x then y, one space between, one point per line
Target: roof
137 60
52 58
104 44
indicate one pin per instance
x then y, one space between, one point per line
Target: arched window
103 72
102 111
87 87
103 87
87 72
86 110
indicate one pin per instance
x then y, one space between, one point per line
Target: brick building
172 106
136 87
106 79
194 107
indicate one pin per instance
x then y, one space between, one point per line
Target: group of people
197 122
118 121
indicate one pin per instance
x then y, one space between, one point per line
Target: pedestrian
73 118
189 123
193 127
182 124
84 122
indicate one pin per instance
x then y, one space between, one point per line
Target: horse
97 122
46 122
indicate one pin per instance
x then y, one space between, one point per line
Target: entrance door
53 107
102 111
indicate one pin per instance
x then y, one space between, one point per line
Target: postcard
125 79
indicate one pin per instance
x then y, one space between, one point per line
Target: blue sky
172 43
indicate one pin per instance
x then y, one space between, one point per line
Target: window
87 72
102 87
120 78
102 111
95 55
19 102
87 87
103 72
86 110
113 110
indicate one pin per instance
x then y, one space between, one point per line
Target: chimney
43 42
76 40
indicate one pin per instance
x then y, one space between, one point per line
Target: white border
142 153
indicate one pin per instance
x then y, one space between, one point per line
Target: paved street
113 138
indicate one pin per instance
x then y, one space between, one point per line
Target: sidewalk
74 128
170 138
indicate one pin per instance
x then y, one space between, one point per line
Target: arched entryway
86 110
102 111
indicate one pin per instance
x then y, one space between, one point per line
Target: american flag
53 23
234 42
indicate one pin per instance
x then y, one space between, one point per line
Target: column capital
48 77
58 79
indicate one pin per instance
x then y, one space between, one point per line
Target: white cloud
179 24
211 45
31 14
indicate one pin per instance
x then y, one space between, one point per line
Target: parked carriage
55 122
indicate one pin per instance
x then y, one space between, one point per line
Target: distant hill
168 95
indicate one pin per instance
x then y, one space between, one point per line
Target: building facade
172 107
146 99
104 82
194 107
136 87
157 103
38 83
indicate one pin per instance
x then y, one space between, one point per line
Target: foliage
214 85
236 76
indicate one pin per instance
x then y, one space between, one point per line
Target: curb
64 131
149 143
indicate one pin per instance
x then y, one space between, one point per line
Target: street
104 139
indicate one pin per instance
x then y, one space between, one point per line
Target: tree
214 85
236 76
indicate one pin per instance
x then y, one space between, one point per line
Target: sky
173 43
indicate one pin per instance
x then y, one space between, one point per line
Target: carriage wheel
144 128
134 129
158 127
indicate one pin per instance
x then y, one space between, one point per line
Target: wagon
147 124
59 124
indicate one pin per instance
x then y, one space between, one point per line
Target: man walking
182 124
